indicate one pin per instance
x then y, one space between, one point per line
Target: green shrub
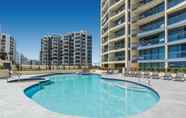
1 67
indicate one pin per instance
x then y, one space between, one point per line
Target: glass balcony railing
113 2
172 3
145 1
118 11
118 34
104 30
177 18
154 56
177 54
151 42
106 50
104 21
153 11
177 36
104 41
119 46
152 26
118 58
105 60
179 64
118 22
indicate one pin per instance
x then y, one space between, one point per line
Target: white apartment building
143 34
70 49
7 48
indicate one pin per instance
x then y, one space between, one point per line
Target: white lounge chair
179 77
155 75
167 76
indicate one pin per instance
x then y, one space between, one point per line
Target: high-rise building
70 49
7 48
143 34
115 33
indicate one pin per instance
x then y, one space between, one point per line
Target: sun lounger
155 75
130 73
110 72
134 74
167 76
179 77
126 74
146 75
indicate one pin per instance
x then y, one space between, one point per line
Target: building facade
7 48
143 34
115 33
70 49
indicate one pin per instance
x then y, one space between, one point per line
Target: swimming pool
90 96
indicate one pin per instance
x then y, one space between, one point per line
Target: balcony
116 46
104 30
151 30
152 11
105 21
180 5
151 58
104 35
113 2
152 26
151 43
152 14
178 17
152 54
172 3
135 59
105 60
151 18
116 4
134 45
104 4
178 36
141 47
119 59
148 4
118 34
104 40
177 54
117 56
117 26
118 11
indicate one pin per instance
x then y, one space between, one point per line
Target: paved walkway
14 104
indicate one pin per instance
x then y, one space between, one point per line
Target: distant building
24 60
71 49
34 62
7 48
18 60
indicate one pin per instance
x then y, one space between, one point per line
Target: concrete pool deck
14 104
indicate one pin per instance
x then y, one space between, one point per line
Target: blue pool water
90 96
